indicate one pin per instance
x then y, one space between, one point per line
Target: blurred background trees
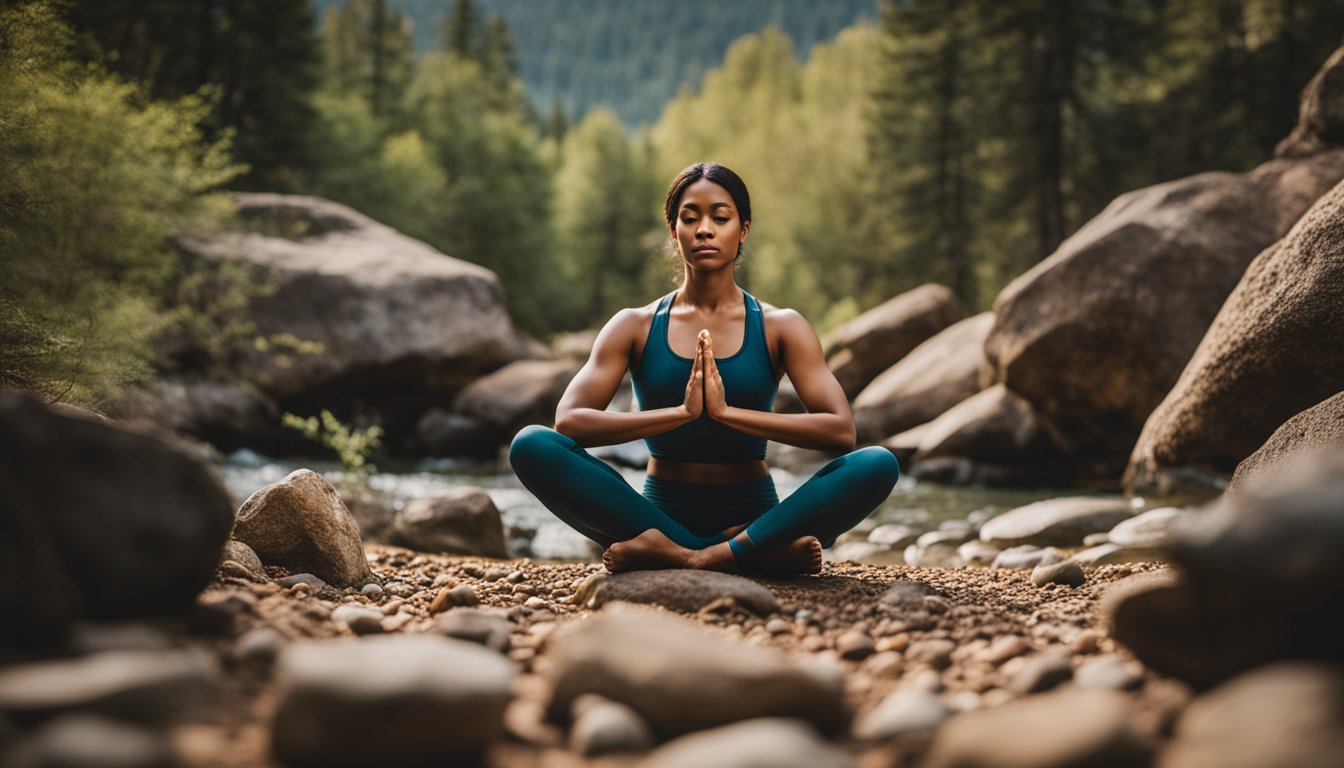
886 144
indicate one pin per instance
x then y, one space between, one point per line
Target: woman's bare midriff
705 473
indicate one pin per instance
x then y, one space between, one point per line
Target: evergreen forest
956 141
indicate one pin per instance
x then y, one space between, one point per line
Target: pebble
398 699
1020 557
258 646
534 602
443 580
1067 573
773 742
885 664
142 686
927 680
854 646
893 535
1003 648
903 713
395 623
1155 528
684 590
360 620
1042 672
313 582
451 597
372 589
936 653
87 741
392 606
602 726
778 627
482 626
976 552
1107 672
399 589
1087 641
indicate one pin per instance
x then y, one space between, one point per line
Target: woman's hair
716 173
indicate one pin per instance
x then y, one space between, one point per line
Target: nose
705 229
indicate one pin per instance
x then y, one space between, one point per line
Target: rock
239 561
1275 548
893 535
85 741
89 637
903 714
907 594
388 700
400 326
936 555
1319 116
1003 648
1063 521
302 524
1068 573
442 433
1289 713
1042 672
854 646
449 597
939 373
461 520
1110 554
1153 529
1269 354
862 348
308 579
680 678
1052 730
143 686
602 726
521 393
997 433
682 590
372 589
936 653
977 552
904 444
1317 430
1107 672
634 454
774 742
259 646
1096 335
112 524
360 620
220 412
1026 556
484 627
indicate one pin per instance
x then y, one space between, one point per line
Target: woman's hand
695 386
715 398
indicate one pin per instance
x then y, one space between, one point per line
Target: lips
705 249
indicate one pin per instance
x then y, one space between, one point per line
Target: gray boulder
682 590
680 678
939 373
400 325
461 520
98 521
1096 335
872 342
302 524
521 393
1272 352
1317 430
1058 522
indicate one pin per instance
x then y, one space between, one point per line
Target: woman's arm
828 424
582 413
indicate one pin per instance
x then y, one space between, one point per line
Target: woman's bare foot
650 549
800 556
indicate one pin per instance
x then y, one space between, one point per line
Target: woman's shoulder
784 318
630 323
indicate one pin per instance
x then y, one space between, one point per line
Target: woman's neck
709 290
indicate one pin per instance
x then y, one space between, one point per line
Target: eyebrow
695 207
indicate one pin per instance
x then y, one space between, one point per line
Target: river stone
995 428
908 594
1068 573
1062 522
862 348
388 700
685 590
759 743
482 626
1026 556
302 524
1288 713
144 686
902 714
935 376
1152 529
680 678
1108 672
602 726
521 393
359 619
1317 430
87 741
1063 729
1271 352
402 327
1275 548
99 522
893 535
461 521
904 444
1111 554
239 561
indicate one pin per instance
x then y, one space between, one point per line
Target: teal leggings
593 499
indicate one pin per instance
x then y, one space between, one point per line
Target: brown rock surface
1317 430
872 342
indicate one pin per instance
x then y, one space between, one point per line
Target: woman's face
708 229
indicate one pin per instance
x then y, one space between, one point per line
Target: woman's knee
534 442
879 464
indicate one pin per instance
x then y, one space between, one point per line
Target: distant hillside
632 55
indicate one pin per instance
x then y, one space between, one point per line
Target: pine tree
461 32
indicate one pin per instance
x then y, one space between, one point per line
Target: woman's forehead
706 192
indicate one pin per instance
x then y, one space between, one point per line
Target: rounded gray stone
143 686
1068 573
602 726
681 590
761 743
902 714
1061 522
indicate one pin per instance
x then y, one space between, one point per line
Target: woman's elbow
843 439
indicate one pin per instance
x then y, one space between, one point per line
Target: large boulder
1274 350
935 376
521 393
1317 430
399 325
1320 118
462 520
1096 335
872 342
98 521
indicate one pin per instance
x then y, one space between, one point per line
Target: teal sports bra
748 381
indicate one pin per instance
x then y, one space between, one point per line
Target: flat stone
449 597
602 726
902 714
1053 730
682 589
1107 672
302 524
935 555
1042 672
680 678
360 620
937 653
1026 556
1112 554
484 627
976 552
259 646
893 535
143 686
773 742
87 741
854 646
1068 573
240 561
1003 648
388 700
1153 529
302 578
1059 522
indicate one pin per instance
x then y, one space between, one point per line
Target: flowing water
534 531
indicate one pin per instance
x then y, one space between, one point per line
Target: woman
709 501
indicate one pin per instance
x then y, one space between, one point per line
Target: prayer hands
695 387
715 397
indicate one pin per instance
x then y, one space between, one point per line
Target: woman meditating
705 361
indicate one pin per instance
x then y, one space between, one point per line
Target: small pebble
302 578
372 589
361 621
778 627
854 646
1068 573
1042 672
935 653
443 580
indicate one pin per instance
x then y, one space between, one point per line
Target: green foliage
352 446
96 179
